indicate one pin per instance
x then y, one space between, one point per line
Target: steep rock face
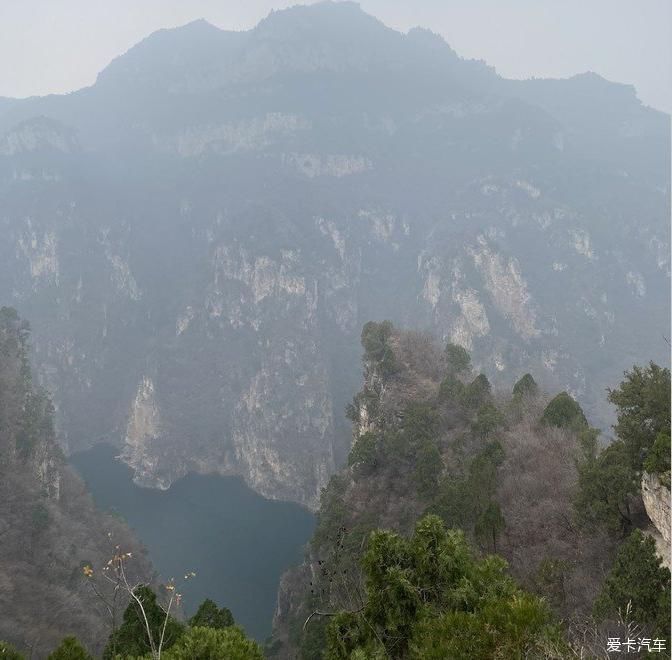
49 528
656 498
222 211
142 430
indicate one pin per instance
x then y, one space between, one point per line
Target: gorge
198 237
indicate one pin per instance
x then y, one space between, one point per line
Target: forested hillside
49 528
468 523
540 506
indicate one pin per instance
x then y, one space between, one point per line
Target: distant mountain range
199 236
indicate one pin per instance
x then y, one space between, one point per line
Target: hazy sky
60 45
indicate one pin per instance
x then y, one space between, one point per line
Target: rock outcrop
656 496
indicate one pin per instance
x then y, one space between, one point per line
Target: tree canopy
375 338
642 403
564 412
209 615
429 597
205 643
637 577
69 649
458 358
525 386
131 637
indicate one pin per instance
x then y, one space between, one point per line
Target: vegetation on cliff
49 527
467 524
539 503
149 632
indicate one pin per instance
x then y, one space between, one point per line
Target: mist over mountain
198 238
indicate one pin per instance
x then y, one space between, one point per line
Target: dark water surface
237 542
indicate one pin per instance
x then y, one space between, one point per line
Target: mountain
517 473
49 528
199 236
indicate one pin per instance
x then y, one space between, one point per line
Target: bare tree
125 589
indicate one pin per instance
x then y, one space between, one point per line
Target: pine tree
637 577
209 615
214 644
69 649
131 637
564 412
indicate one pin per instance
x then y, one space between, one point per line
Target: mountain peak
326 36
320 14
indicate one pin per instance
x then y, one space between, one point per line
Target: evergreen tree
643 409
609 480
428 597
131 637
363 457
428 468
637 577
488 419
658 458
209 615
525 386
489 524
69 649
564 412
607 485
458 358
228 643
420 422
477 393
376 348
451 389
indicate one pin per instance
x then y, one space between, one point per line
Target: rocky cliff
199 235
656 496
49 528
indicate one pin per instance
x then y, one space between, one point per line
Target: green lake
237 542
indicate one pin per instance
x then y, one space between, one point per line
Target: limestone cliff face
142 432
656 498
225 230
